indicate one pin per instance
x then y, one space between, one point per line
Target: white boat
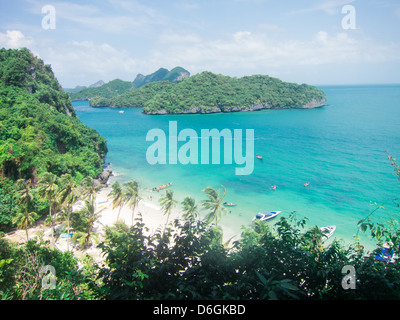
327 232
266 215
228 204
122 111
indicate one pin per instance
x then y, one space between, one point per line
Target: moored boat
162 187
266 215
229 204
327 232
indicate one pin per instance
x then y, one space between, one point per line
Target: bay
338 149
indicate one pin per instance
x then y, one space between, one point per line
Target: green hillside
210 93
175 75
107 90
134 97
39 131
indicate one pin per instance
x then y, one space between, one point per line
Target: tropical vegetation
187 259
102 95
48 160
208 92
40 137
107 90
175 75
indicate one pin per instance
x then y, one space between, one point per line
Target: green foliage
117 196
20 69
107 90
207 92
21 276
214 204
132 98
132 196
191 263
167 204
160 75
8 204
39 131
389 233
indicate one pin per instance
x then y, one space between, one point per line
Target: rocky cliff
256 107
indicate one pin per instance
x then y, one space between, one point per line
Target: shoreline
151 216
150 211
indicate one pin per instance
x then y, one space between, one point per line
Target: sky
319 42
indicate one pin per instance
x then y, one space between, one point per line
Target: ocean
339 149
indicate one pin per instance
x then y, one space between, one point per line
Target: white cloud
330 7
14 39
120 16
83 63
255 51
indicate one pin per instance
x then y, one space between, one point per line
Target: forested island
210 93
118 87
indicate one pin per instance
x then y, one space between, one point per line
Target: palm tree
48 190
314 238
132 195
167 203
25 220
89 189
190 210
89 216
214 204
68 195
23 193
117 195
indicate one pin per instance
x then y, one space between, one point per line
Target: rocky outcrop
177 74
97 84
182 75
314 104
102 179
220 109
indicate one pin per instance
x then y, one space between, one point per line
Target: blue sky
300 41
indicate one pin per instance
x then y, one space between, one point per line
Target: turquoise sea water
339 149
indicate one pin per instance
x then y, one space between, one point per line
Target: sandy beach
148 208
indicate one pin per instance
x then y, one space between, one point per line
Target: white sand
149 208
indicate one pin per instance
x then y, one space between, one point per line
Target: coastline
150 210
152 217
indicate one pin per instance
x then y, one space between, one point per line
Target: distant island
203 93
177 74
117 87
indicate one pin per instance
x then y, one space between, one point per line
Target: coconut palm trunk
214 204
47 190
117 196
131 196
167 203
68 196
